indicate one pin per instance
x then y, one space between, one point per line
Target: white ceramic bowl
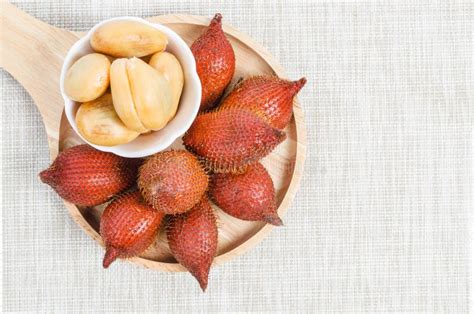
148 144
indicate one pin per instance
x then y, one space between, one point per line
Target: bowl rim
194 84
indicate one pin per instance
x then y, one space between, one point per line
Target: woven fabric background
381 220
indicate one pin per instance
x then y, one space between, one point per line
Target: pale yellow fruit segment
128 39
168 65
88 78
98 123
151 94
122 96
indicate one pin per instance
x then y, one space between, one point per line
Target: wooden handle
31 49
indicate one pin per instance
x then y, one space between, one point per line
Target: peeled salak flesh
141 95
98 123
87 177
128 39
88 78
128 227
168 65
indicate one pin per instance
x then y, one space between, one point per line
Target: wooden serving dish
33 52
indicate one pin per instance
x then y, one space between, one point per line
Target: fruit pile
174 188
144 95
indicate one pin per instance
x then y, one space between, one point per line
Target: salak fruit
230 140
87 177
247 196
269 96
192 238
172 181
128 227
215 62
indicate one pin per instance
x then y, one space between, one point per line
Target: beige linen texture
380 222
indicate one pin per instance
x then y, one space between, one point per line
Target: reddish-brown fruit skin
128 227
172 181
192 238
215 62
87 177
269 96
230 140
247 196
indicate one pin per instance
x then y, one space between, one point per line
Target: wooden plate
33 51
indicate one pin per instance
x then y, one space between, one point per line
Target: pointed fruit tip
110 256
217 18
46 176
203 285
202 277
298 85
273 219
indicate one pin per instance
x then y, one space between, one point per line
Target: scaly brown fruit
192 238
172 181
230 140
215 62
269 96
128 227
87 177
247 196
